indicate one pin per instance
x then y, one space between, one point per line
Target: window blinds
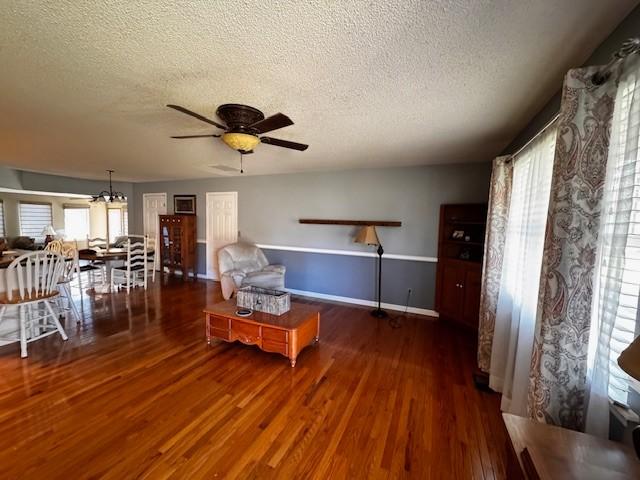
614 322
34 217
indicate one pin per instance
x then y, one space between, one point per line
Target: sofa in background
243 264
20 243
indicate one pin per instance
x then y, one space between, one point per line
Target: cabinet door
165 243
176 247
471 303
452 278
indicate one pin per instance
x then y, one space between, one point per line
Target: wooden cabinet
178 243
459 272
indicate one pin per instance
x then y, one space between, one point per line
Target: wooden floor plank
137 393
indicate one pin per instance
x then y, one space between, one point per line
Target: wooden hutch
178 243
460 254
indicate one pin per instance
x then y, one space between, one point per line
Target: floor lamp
368 236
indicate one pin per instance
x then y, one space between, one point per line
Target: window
614 322
76 222
125 221
522 263
115 223
1 219
34 217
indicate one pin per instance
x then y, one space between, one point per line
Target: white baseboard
199 275
359 301
354 301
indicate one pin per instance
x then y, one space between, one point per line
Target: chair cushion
86 268
133 269
264 279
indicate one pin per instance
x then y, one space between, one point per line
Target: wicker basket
274 302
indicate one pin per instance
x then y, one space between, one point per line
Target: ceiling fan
242 125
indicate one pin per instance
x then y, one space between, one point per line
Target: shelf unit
459 271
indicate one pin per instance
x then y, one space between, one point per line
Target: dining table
109 257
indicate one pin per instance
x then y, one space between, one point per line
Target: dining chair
54 246
96 266
31 281
71 267
134 270
151 257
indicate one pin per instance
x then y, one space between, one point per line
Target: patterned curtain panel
558 389
497 216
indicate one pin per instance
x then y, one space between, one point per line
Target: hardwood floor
137 393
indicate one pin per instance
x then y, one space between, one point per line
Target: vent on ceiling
224 169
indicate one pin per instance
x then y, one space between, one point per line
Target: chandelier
109 196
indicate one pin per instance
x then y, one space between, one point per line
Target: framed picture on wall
184 204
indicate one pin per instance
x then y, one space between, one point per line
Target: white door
222 226
155 204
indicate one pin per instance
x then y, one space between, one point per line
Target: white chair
31 281
134 270
96 267
71 266
243 264
151 257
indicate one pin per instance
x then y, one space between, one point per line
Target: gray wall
42 182
269 208
629 27
10 178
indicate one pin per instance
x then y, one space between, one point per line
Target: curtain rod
629 47
540 132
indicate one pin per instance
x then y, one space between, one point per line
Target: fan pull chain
241 170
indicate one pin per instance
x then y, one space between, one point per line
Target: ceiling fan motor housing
237 117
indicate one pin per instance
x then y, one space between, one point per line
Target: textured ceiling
368 84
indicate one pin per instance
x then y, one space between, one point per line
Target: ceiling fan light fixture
242 142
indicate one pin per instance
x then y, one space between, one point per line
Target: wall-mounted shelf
377 223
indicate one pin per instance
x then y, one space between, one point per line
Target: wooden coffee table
286 334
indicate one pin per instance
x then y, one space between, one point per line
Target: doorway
221 225
154 204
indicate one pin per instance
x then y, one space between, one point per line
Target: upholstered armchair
242 264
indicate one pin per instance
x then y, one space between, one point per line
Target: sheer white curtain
617 271
518 297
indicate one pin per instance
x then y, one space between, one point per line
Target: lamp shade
368 235
48 230
629 359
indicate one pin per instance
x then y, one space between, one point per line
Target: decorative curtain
499 198
558 379
522 260
614 320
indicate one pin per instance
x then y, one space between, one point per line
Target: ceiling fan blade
284 143
194 136
196 115
274 122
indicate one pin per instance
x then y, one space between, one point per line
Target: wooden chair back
54 246
69 251
100 243
136 254
34 275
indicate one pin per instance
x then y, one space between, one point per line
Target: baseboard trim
360 301
355 301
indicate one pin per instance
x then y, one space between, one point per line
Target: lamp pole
378 312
